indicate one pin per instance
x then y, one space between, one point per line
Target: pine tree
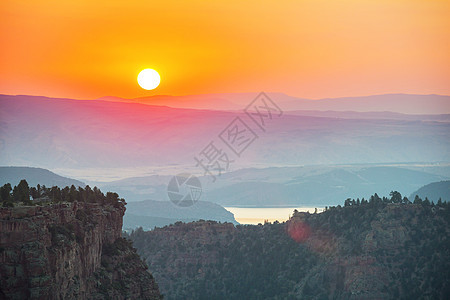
21 193
5 192
396 197
417 200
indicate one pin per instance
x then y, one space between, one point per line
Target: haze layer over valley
317 152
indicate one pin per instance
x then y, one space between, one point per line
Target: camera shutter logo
184 189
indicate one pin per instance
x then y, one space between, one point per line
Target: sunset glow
310 48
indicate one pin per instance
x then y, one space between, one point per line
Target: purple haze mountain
399 103
65 133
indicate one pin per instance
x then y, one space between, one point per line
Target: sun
148 79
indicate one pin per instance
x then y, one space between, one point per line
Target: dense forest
380 248
22 194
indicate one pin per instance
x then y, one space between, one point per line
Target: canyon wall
70 251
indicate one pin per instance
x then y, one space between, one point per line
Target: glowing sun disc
148 79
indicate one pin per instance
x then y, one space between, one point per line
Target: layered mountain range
67 133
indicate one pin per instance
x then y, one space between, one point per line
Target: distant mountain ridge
287 186
382 115
400 103
98 134
35 176
431 104
150 213
434 191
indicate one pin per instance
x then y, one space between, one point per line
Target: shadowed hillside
35 176
149 213
434 191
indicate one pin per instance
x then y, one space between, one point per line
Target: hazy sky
314 48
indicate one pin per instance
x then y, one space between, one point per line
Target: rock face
69 251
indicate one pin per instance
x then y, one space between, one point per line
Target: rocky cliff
69 251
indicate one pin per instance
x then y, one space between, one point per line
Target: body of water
256 215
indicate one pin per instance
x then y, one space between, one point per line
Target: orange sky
314 49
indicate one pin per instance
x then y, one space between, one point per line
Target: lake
255 215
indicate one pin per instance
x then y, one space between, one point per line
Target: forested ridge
23 194
380 248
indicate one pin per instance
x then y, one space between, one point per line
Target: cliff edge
70 251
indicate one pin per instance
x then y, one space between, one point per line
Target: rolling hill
434 191
35 176
149 213
287 186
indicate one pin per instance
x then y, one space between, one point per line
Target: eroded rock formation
69 251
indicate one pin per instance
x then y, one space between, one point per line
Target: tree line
395 197
22 194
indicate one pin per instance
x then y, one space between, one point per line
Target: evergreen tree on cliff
21 192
